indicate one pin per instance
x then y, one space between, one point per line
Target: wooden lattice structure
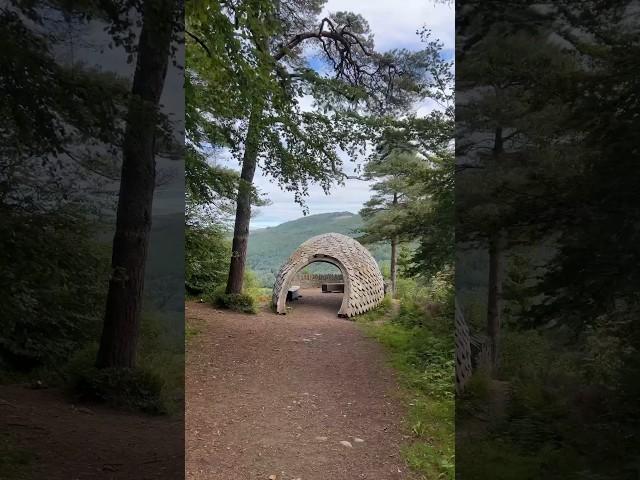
363 282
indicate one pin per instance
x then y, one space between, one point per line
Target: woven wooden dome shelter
363 282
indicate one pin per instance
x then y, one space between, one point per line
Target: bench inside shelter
333 287
293 293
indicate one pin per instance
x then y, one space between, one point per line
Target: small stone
346 444
272 477
358 440
321 439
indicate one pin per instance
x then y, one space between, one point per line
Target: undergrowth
155 386
238 302
552 421
249 301
421 349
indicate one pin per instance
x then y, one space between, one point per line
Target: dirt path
69 442
275 395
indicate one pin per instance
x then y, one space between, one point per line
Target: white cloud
394 24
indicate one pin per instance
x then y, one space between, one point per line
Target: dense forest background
68 78
546 233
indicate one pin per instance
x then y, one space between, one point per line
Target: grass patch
260 295
421 350
190 332
380 312
15 462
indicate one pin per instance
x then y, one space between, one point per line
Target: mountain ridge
270 247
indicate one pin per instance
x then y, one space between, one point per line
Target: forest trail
274 396
64 441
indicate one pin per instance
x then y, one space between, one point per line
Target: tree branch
200 42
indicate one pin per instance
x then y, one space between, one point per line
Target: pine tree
384 211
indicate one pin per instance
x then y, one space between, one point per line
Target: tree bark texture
119 340
394 267
243 203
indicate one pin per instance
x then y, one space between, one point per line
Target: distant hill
270 247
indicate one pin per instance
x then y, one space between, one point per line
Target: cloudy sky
394 25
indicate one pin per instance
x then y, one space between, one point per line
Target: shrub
41 326
132 389
129 388
422 350
207 254
156 386
238 302
245 302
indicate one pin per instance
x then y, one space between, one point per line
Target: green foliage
413 197
270 247
414 167
404 261
385 305
252 286
413 202
421 349
207 253
252 296
34 98
133 389
156 386
161 354
385 210
552 417
44 325
254 50
517 289
238 302
561 121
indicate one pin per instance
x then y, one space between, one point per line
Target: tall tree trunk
118 343
243 203
394 266
394 257
494 304
495 282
